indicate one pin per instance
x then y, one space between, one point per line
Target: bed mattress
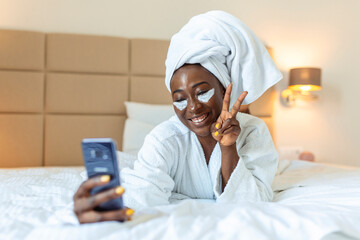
312 201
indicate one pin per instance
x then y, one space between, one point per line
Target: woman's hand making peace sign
226 129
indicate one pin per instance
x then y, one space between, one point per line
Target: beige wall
318 33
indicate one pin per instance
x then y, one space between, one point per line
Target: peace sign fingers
236 108
226 102
226 129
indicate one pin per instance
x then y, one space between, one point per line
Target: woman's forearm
229 160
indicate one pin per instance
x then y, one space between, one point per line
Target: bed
312 201
56 89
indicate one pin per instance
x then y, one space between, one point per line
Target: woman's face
197 97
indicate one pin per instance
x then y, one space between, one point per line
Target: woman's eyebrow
194 86
197 84
177 90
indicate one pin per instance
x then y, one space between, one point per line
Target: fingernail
129 212
216 133
105 178
217 125
119 190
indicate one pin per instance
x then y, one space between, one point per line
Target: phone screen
100 159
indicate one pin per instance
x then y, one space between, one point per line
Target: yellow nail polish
105 178
119 190
216 133
217 125
129 212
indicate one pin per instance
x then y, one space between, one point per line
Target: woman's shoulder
253 130
246 119
251 123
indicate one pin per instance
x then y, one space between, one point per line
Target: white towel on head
228 49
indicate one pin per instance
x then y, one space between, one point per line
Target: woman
208 150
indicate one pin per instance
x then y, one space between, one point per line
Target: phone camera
96 153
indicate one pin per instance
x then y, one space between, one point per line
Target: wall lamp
302 82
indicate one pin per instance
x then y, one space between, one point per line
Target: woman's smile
203 95
200 118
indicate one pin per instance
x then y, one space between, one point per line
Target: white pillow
142 118
149 113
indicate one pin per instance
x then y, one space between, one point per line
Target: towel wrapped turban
228 49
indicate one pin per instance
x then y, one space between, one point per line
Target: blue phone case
100 159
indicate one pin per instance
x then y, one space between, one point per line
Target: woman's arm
226 131
247 170
252 177
229 160
85 203
149 183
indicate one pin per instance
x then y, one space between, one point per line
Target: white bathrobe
171 166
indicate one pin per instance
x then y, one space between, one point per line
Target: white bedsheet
311 201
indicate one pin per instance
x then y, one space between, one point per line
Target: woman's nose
194 105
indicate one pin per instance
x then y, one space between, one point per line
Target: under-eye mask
181 105
206 96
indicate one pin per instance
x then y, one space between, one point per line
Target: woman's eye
179 100
202 92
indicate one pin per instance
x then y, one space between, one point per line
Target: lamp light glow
302 82
305 79
305 87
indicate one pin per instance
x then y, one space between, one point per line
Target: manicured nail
129 212
216 133
217 125
105 178
119 190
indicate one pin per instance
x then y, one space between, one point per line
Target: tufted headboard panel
56 89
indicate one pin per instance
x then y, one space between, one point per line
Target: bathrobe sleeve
149 183
252 178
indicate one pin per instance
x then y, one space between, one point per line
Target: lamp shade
305 79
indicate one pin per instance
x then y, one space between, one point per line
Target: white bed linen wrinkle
36 196
327 202
197 220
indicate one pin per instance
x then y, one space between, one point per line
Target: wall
318 33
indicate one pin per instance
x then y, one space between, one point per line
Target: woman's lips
200 118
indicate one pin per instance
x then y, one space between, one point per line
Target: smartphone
100 159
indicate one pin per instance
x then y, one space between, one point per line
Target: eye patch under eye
181 105
206 96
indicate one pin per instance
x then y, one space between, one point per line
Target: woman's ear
223 92
221 88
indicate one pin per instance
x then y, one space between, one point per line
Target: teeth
199 119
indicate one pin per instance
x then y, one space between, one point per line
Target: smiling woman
208 150
210 120
188 84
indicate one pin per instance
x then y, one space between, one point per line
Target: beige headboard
56 89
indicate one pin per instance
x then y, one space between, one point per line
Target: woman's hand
84 202
226 129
